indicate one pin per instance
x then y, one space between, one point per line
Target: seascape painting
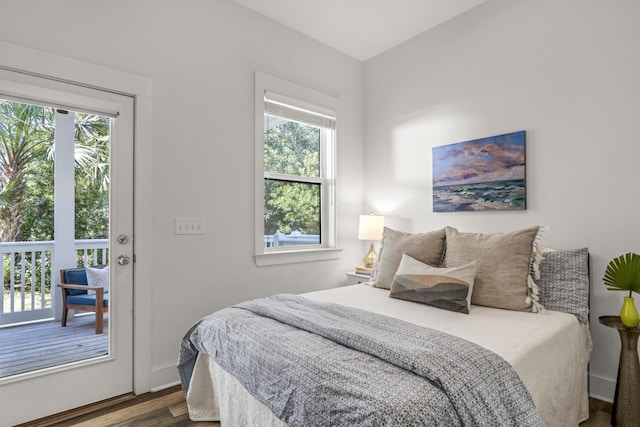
482 174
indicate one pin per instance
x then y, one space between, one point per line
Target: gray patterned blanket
323 364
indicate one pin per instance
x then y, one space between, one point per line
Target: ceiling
361 28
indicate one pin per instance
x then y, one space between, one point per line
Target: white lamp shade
370 227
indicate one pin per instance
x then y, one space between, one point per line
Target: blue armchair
74 287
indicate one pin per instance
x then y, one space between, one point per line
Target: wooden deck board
24 348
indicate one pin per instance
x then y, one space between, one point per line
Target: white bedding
550 352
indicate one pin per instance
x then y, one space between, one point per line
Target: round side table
626 407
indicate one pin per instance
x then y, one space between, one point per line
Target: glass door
71 207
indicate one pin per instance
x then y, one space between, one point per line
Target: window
295 180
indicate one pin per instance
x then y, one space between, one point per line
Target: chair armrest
99 291
80 287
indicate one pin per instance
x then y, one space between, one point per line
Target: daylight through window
298 158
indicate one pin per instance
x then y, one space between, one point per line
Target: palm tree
26 136
27 142
92 153
92 149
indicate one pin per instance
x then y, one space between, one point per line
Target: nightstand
626 411
355 278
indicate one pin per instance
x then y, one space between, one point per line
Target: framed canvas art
482 174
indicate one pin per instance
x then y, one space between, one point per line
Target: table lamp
370 228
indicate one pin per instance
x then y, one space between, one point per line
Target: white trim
62 69
285 92
602 388
165 386
292 257
143 220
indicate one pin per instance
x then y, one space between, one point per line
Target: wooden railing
27 276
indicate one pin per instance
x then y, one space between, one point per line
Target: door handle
123 260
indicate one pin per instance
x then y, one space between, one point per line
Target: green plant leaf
623 273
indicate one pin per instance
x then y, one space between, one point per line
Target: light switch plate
189 225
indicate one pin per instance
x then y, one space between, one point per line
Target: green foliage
292 206
27 173
92 151
92 210
26 139
92 177
623 273
37 207
292 149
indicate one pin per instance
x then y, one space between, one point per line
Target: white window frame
288 93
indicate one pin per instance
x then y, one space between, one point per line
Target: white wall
566 72
200 56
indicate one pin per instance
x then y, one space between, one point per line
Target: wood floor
161 409
168 408
599 414
44 344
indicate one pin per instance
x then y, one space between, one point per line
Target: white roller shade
281 106
12 90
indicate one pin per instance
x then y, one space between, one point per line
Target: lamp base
371 256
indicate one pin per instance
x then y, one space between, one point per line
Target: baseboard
601 388
164 377
164 387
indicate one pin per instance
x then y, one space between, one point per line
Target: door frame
68 70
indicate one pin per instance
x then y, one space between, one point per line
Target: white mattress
550 351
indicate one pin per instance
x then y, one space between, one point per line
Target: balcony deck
45 344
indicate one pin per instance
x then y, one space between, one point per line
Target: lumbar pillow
425 247
564 282
98 277
448 288
505 261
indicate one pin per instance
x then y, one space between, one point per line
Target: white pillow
98 277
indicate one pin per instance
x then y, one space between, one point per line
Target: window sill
291 257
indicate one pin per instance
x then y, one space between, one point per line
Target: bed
504 366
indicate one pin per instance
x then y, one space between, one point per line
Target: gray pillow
425 247
564 282
504 263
